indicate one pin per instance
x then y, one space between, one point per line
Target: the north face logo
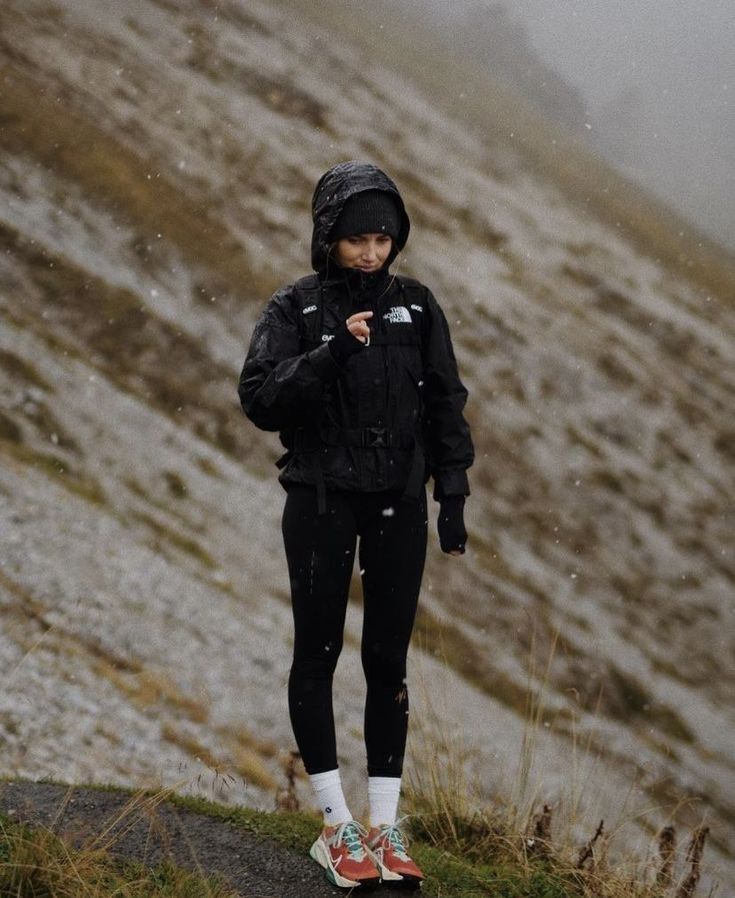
398 315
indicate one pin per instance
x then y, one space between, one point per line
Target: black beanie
368 212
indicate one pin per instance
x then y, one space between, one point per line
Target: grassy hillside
464 855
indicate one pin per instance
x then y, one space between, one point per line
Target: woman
354 366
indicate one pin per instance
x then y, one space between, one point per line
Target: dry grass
164 535
527 838
512 848
20 370
286 797
38 863
282 96
447 641
240 759
463 855
150 689
52 465
51 126
79 314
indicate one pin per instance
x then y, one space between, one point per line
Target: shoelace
396 839
352 834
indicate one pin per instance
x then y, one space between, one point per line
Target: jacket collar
360 286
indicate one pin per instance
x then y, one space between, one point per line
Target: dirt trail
255 866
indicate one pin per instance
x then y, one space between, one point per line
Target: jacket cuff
322 361
451 483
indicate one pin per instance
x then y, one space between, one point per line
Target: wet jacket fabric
392 415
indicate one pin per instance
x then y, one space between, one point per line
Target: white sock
330 798
383 794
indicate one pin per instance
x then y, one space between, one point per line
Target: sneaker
387 846
341 851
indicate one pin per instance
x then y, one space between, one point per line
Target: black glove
343 345
452 533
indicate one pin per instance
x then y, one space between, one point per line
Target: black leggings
320 550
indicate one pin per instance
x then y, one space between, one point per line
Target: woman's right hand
351 337
358 327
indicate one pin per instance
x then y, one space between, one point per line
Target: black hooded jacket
392 415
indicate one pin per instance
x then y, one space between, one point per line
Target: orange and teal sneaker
341 851
387 846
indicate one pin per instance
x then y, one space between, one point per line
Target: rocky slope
157 159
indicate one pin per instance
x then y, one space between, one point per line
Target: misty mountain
493 37
579 65
619 130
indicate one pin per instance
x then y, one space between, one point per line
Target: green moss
450 873
297 829
452 876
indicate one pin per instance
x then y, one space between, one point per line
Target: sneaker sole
405 884
319 853
395 880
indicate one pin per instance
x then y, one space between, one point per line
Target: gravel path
256 867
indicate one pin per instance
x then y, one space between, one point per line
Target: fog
652 84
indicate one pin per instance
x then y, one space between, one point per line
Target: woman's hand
351 337
358 327
450 523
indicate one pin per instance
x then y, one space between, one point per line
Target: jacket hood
333 190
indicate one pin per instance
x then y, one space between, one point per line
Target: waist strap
355 437
362 438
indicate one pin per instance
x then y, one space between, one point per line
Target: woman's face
367 252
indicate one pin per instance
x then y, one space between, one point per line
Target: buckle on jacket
375 437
